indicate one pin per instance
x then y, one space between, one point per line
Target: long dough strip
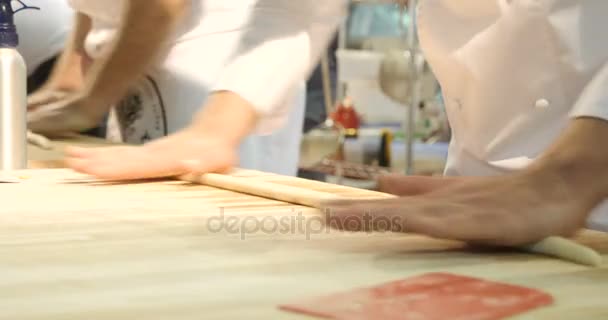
567 250
558 247
301 196
39 140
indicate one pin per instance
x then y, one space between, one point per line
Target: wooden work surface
73 248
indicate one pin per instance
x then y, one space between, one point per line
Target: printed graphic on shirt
140 116
22 5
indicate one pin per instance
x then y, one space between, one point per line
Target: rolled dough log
567 250
553 246
301 196
39 140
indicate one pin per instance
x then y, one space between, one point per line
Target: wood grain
75 248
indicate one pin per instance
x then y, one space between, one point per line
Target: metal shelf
409 122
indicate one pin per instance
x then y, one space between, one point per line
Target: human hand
186 151
42 97
507 210
45 96
39 140
57 112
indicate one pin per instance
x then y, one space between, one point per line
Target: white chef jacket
42 33
262 50
514 74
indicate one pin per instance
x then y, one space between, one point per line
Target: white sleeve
282 47
579 26
594 100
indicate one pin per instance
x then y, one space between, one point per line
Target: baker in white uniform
525 86
526 90
200 48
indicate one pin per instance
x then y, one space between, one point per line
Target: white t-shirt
43 32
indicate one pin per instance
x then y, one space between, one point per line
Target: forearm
579 159
146 26
67 73
278 51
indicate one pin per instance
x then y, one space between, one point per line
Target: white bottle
13 95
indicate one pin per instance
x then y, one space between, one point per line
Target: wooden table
74 248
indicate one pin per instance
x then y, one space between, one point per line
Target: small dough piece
567 250
39 140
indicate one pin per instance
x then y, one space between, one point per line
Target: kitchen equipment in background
346 116
430 158
385 72
358 71
365 73
320 143
396 78
385 149
325 140
400 80
373 27
370 147
384 77
351 174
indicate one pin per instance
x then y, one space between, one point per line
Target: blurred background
371 107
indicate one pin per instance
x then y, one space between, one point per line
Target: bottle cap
8 30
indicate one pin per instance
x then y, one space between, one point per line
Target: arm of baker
554 196
277 54
578 159
147 24
132 52
580 151
580 148
578 155
283 43
66 76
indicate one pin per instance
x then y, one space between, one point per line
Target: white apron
170 94
513 73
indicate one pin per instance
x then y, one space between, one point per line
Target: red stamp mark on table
435 296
